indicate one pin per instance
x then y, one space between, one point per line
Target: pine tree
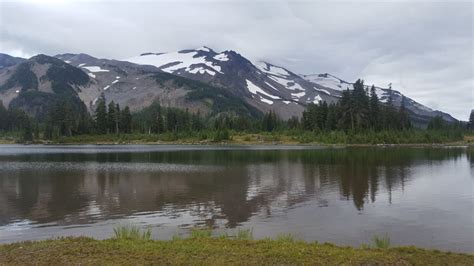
403 116
471 120
111 117
117 118
346 118
196 122
374 109
390 115
436 123
126 120
360 106
100 116
3 117
331 119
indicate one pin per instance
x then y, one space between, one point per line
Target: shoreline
231 143
235 141
216 250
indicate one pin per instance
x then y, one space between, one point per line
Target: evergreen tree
269 121
111 117
360 106
196 122
374 109
293 122
3 117
27 133
346 118
436 123
117 118
403 117
471 120
331 118
100 116
126 120
171 120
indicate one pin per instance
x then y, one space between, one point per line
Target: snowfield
171 62
95 69
254 89
271 69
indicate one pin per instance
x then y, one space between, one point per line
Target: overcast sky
425 48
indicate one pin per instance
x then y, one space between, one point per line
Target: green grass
382 241
244 234
199 233
277 137
131 232
214 251
285 238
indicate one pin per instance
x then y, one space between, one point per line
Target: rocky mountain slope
8 61
197 79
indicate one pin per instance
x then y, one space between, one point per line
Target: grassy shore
263 138
215 251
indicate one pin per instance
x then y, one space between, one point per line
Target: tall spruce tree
403 116
346 118
3 117
471 120
374 109
111 117
100 116
360 106
117 118
126 120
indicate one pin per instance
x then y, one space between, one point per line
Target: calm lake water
418 196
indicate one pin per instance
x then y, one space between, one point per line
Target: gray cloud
424 48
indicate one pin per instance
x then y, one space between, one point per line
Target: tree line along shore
358 118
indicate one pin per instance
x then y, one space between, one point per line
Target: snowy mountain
263 85
209 81
267 86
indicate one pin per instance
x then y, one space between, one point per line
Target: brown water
418 196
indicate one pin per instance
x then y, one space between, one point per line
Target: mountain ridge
262 85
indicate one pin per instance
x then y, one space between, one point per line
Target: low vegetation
132 233
382 241
203 249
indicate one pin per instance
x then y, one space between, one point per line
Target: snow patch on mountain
328 81
317 99
266 100
221 57
95 69
270 85
171 62
202 70
271 69
287 83
254 89
298 94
